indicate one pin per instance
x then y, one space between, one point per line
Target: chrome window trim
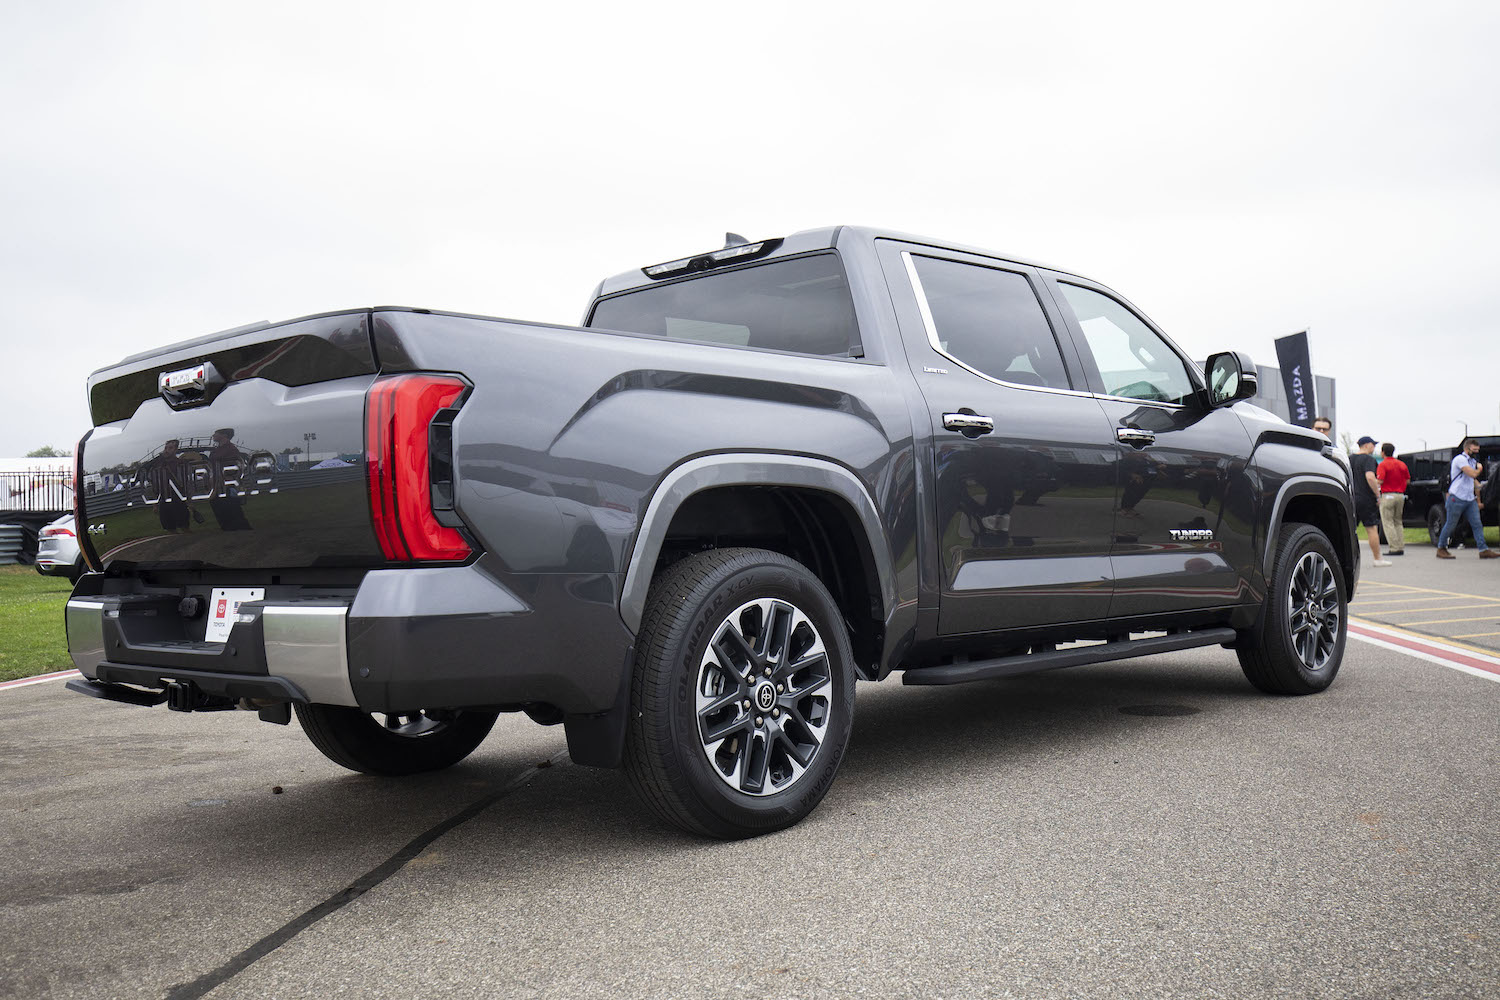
935 343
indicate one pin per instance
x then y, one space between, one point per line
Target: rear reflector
398 413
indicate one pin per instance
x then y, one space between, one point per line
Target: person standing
1366 489
1393 475
1324 426
1461 501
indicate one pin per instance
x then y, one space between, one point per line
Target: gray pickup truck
684 529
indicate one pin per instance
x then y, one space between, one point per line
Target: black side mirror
1230 377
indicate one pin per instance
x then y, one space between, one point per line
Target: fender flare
1305 485
747 469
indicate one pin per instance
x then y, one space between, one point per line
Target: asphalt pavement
1152 828
1457 600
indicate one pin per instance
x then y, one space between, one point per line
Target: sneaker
1489 554
1382 562
1398 552
1444 554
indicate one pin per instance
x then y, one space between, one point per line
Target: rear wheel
1298 643
1435 516
743 694
402 743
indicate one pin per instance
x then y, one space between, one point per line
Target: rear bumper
300 643
405 639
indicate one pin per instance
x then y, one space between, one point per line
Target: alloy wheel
1315 615
765 694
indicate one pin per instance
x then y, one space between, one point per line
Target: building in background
1271 395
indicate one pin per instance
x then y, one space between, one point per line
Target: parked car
685 529
57 552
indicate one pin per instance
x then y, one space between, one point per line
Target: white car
57 550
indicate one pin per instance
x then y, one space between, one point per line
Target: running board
1025 663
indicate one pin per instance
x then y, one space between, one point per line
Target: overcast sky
1238 171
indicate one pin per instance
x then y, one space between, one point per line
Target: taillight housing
399 412
85 543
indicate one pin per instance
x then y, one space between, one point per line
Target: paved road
1457 600
1035 837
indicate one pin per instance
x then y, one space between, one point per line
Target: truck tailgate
241 452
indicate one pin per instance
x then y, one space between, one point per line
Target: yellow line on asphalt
1441 621
1450 593
1475 635
1445 640
1409 600
1455 607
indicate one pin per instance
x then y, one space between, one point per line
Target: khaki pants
1391 506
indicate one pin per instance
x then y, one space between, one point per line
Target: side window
1133 360
988 319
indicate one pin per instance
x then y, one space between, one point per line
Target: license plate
224 609
188 376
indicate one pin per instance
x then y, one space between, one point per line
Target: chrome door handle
1134 436
970 424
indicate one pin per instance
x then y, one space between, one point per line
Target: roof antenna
734 240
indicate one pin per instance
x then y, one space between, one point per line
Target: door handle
969 423
1135 436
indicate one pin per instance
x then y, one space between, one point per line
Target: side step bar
1025 663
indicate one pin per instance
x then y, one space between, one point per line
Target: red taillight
398 413
52 532
85 546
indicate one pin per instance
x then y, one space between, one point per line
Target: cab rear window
801 304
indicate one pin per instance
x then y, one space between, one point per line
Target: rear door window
989 320
800 304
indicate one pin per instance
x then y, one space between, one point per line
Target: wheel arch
1325 504
809 509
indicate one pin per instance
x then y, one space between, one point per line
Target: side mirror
1230 377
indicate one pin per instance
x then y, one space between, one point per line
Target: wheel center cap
765 696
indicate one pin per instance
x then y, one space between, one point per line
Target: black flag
1296 376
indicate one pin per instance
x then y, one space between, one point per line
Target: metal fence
42 490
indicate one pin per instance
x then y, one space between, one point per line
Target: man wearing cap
1366 490
1461 501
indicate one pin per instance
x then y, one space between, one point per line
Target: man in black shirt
1366 490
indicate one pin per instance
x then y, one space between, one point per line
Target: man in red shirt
1393 476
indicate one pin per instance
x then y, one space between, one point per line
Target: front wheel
1297 644
743 694
401 743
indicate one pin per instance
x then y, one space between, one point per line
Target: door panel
1180 542
1024 501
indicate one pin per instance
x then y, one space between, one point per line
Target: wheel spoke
757 762
718 733
733 652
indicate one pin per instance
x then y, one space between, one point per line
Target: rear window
800 305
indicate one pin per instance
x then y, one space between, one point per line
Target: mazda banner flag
1296 376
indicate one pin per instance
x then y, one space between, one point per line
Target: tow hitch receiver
184 696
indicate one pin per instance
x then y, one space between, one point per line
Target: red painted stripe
19 681
1431 648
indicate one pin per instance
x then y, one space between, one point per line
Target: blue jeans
1469 511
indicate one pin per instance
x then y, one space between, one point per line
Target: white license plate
224 609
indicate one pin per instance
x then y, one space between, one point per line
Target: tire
1435 516
408 743
723 628
1297 645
